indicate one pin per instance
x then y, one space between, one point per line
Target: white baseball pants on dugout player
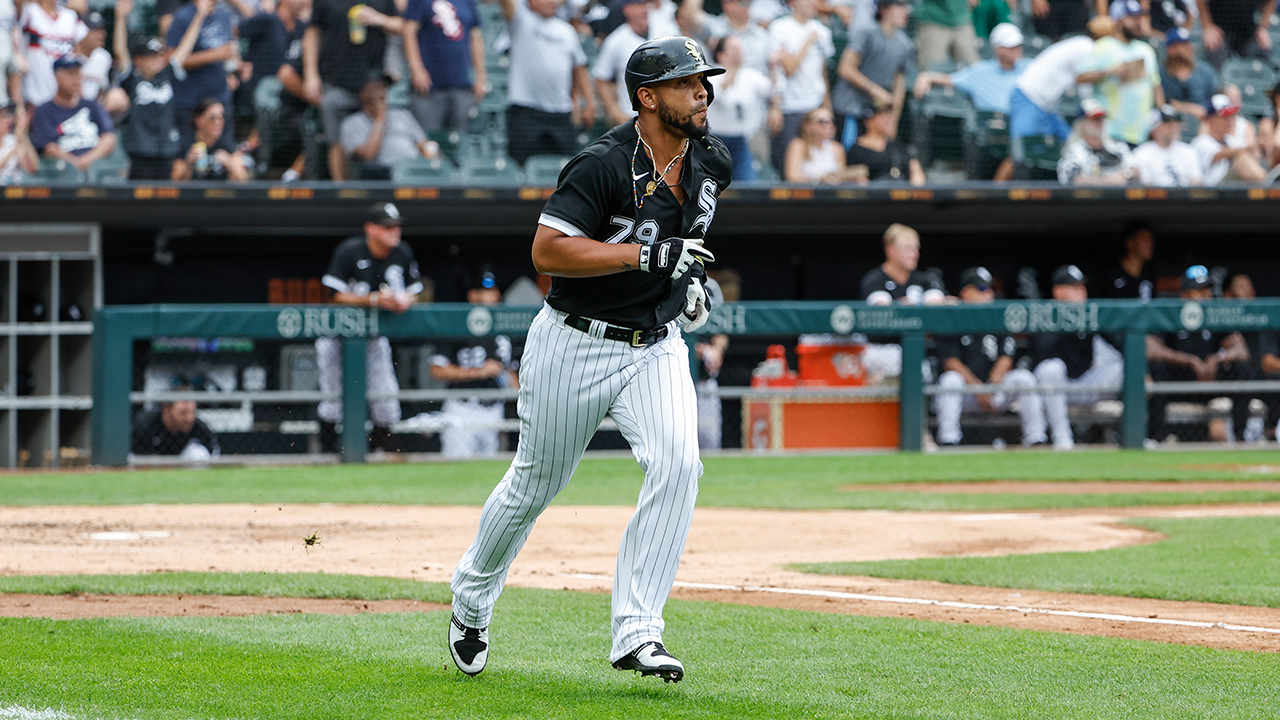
1107 371
1030 409
380 379
569 380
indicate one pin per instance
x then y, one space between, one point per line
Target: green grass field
800 482
1224 560
550 648
549 661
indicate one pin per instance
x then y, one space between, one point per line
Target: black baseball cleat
652 658
468 646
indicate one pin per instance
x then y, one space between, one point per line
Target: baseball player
897 280
622 236
976 359
373 271
470 423
1065 359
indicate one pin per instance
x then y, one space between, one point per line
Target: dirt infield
733 555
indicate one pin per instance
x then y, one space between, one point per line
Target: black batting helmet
667 58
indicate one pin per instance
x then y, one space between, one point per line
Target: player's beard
684 124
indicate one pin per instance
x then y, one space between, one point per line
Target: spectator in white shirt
1224 157
742 103
1164 160
95 70
801 44
52 32
1091 156
611 64
549 89
735 21
1033 107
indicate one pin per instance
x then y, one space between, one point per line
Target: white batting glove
697 306
673 257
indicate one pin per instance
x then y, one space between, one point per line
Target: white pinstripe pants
569 380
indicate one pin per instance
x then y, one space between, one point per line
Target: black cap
1195 278
975 276
1068 275
384 214
94 20
146 47
66 62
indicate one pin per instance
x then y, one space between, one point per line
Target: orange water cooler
817 422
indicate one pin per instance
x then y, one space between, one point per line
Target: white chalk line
959 605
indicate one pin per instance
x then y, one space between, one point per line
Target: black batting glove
674 256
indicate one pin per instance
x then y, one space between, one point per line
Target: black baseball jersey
595 197
917 283
1201 343
1118 283
979 353
151 437
1074 349
355 270
471 355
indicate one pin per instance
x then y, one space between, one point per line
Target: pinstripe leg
567 382
380 374
657 413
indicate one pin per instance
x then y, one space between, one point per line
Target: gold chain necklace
652 187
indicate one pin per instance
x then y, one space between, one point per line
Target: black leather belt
636 338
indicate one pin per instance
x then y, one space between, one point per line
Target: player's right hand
674 256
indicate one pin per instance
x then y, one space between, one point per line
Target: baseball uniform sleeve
341 269
585 193
948 347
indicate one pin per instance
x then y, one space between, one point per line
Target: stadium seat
1190 127
938 128
419 171
55 172
544 170
493 170
986 143
110 170
398 95
1254 78
448 141
1033 44
1036 156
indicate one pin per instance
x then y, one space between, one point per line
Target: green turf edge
259 584
549 661
1233 560
791 482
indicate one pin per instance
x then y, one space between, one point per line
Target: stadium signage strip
764 318
961 605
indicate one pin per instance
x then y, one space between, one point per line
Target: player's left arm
1003 365
558 254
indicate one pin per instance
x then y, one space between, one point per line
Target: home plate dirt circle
733 555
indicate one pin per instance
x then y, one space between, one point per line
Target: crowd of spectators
818 91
